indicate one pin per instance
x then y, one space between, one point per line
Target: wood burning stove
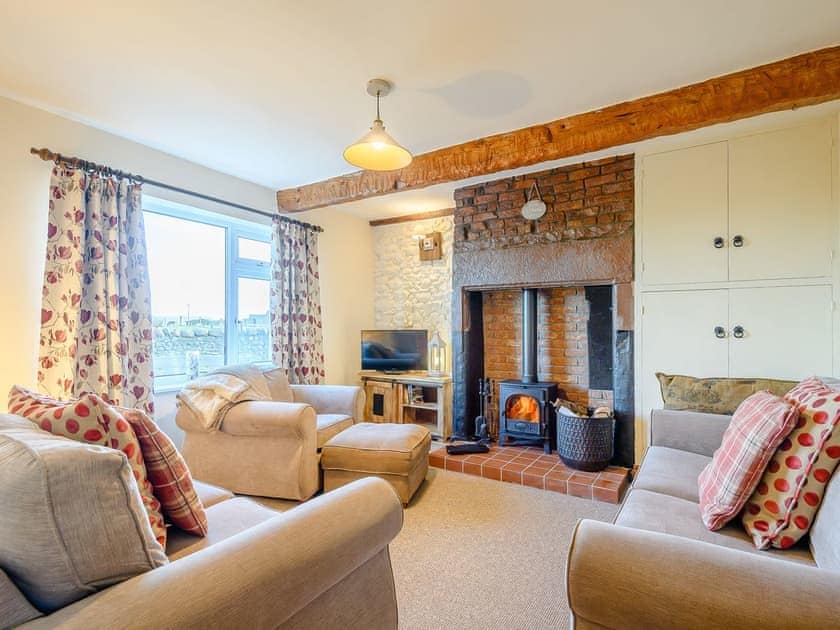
526 415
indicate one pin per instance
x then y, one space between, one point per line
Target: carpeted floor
481 554
476 553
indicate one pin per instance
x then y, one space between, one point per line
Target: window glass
187 284
253 339
209 308
254 250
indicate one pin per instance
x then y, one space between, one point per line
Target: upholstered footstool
397 453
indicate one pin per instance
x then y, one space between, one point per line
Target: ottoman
397 453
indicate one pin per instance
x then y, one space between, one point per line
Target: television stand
409 397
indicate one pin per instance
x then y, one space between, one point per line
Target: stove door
522 414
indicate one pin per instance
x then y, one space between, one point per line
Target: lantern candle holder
437 356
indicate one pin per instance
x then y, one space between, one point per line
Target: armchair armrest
264 418
618 577
691 431
344 399
265 576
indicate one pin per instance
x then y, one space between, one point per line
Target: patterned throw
168 473
296 336
96 329
781 509
758 426
90 419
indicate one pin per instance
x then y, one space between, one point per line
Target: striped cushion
758 427
168 472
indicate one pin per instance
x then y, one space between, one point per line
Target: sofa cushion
278 384
330 425
714 395
825 532
209 494
782 508
759 425
15 609
671 471
90 419
224 520
72 520
168 473
656 512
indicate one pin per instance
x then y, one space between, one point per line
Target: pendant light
376 150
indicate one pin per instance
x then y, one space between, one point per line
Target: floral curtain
297 341
96 332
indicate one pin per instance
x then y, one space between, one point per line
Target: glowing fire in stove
524 408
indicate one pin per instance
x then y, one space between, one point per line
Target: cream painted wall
345 252
345 246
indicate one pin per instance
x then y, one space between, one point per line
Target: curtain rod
74 162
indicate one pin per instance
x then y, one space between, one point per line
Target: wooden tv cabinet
409 397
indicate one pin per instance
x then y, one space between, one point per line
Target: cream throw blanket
210 397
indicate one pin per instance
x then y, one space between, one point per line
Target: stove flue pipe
529 335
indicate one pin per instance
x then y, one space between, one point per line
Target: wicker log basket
584 442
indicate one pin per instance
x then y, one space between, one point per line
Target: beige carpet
476 553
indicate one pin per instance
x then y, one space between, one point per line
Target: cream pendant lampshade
377 150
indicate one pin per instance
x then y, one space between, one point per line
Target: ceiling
272 92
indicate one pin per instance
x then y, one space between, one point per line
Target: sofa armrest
262 577
344 399
692 431
618 577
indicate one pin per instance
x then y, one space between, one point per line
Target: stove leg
547 448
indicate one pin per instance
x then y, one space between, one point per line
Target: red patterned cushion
781 509
168 473
759 425
90 419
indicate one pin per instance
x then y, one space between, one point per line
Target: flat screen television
394 350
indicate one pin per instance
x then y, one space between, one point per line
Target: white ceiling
273 91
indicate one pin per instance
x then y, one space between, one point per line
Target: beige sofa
657 566
271 448
324 564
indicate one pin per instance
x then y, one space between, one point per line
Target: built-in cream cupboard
735 245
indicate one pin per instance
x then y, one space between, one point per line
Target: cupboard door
780 204
679 337
787 332
684 209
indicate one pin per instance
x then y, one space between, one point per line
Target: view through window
209 282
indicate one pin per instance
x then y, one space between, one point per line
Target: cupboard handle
720 332
718 242
738 241
738 332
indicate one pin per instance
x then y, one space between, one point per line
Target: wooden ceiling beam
806 79
417 216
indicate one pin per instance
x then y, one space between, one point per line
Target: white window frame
235 267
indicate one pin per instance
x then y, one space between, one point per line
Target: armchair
271 447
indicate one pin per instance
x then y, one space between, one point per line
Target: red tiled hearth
529 466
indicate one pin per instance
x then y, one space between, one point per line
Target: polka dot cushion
781 509
90 419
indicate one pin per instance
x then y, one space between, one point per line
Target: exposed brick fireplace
579 256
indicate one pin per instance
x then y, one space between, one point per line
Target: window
209 282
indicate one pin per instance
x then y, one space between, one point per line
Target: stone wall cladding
411 293
583 201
